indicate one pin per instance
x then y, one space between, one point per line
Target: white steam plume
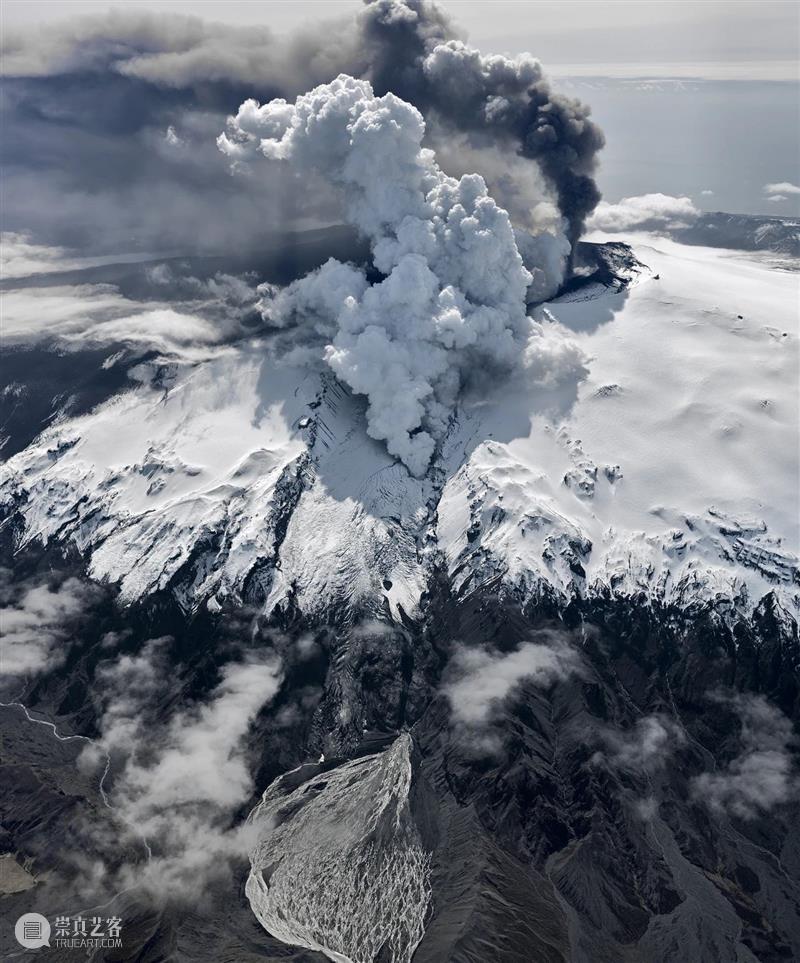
453 295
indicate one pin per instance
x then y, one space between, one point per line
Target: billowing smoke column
453 295
490 114
411 51
494 114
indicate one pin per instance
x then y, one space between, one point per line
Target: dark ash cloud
413 51
110 124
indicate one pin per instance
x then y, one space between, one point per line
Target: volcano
535 704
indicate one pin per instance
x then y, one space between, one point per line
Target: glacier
665 474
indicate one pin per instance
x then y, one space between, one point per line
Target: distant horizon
712 40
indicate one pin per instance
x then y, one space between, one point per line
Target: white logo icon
32 931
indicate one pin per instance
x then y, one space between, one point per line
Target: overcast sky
719 38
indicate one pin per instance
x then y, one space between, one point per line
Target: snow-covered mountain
534 705
745 232
665 473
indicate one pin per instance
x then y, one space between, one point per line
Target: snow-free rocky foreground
556 672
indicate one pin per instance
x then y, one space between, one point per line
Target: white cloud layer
37 619
647 746
484 679
21 257
453 297
647 211
782 187
178 785
86 315
98 314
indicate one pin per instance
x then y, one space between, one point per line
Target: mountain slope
535 705
665 472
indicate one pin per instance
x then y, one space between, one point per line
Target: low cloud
226 299
38 617
646 746
21 257
97 314
761 776
777 198
482 680
645 212
178 785
782 187
129 685
172 138
182 316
